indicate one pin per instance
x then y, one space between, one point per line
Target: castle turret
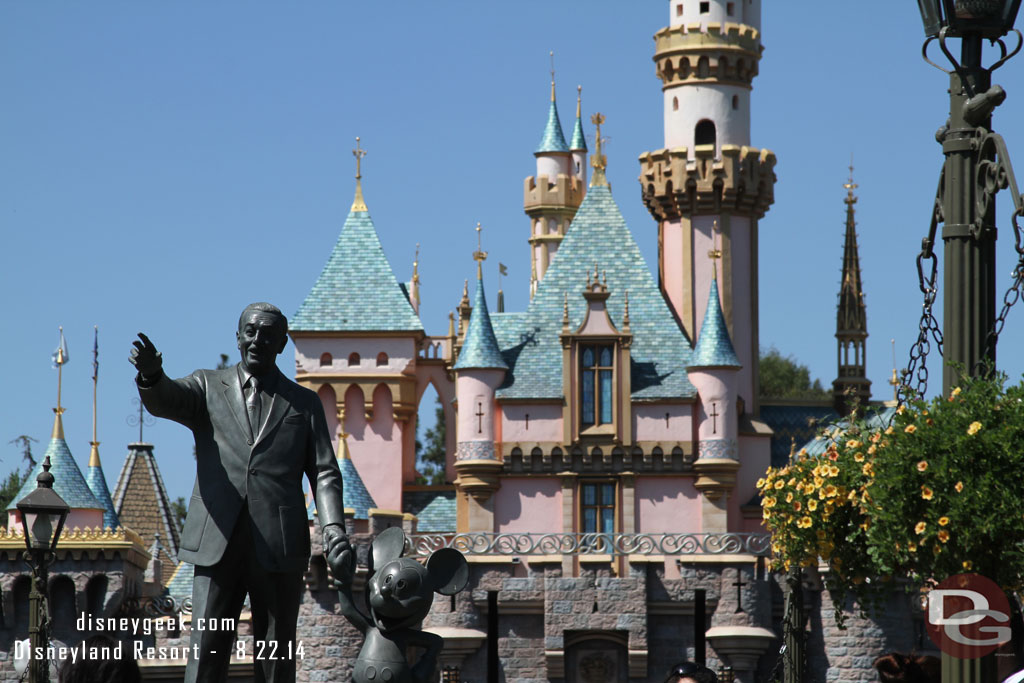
578 144
552 196
479 372
714 370
706 173
851 388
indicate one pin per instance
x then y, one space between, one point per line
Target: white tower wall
553 164
738 11
727 106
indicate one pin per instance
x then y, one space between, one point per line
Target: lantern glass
43 514
990 19
931 16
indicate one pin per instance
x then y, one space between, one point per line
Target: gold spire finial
60 357
895 379
565 313
358 204
714 253
625 316
94 452
579 101
479 255
598 160
551 54
850 185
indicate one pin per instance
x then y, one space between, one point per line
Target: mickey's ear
448 570
389 545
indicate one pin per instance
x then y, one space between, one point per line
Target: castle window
596 367
326 359
675 104
735 101
705 7
597 509
679 10
730 8
704 134
382 359
353 359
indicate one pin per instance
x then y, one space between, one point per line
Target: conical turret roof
68 481
480 350
714 348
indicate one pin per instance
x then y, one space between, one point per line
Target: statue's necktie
252 403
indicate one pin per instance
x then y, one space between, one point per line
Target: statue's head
262 335
400 589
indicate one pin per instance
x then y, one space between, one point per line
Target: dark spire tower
851 388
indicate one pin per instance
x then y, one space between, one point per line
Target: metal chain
928 327
1011 297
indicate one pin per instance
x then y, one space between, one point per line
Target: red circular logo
968 616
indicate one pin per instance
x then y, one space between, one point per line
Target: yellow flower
818 482
943 535
852 497
919 529
804 522
760 483
868 469
953 394
766 514
974 428
833 471
769 502
927 493
875 437
778 484
910 429
959 486
922 466
872 449
853 443
812 505
902 409
797 506
912 547
791 482
831 491
968 565
859 457
789 497
943 521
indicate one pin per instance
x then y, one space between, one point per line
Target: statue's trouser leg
275 599
217 594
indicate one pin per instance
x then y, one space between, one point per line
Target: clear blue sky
164 164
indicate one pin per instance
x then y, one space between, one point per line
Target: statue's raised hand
146 359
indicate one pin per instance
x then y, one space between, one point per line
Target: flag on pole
95 353
502 268
60 356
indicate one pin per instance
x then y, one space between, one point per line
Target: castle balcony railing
436 348
530 544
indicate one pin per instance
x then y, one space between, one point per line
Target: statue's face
261 337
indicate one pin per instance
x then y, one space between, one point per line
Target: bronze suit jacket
265 473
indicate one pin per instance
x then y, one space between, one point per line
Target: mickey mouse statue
399 592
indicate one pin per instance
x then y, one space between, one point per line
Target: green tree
431 456
15 479
784 377
224 363
179 509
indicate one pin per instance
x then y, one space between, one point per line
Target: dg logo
968 616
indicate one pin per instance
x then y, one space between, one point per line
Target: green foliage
224 363
431 456
179 509
935 493
784 377
15 480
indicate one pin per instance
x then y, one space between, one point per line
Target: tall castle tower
552 196
707 59
851 387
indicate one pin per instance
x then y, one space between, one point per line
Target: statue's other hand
146 359
340 556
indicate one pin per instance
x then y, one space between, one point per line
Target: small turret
479 372
578 145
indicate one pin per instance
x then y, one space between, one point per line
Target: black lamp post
976 168
43 514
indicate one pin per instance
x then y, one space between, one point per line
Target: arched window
735 101
325 359
675 104
353 359
596 372
96 594
704 134
382 359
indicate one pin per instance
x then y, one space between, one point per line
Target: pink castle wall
475 389
376 446
545 422
667 505
755 457
528 504
401 353
649 422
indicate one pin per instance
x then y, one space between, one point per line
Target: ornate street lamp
43 514
977 166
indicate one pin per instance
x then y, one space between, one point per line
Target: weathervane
715 252
479 255
142 419
358 204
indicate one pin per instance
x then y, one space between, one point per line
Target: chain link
1011 297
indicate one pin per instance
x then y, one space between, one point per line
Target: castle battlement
726 53
741 181
540 194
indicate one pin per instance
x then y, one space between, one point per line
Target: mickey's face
400 594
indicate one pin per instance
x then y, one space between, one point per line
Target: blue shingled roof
579 141
98 485
530 341
480 348
68 481
357 290
553 140
794 424
354 493
434 510
180 585
874 418
714 348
